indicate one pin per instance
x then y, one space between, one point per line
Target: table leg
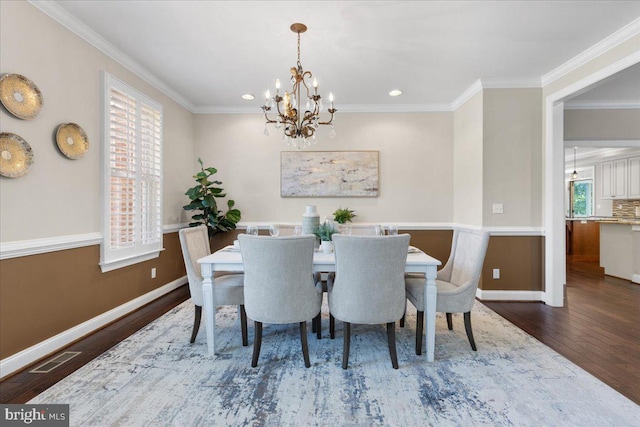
209 307
430 292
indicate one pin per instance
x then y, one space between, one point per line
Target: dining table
229 259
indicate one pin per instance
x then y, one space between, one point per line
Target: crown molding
602 105
59 14
467 95
623 34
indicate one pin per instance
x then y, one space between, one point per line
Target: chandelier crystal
299 130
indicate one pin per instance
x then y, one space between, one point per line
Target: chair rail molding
51 244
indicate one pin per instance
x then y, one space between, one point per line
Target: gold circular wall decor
16 156
20 96
72 140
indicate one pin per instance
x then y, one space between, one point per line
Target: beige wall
602 124
511 157
416 165
60 197
467 161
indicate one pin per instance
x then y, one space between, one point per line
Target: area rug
156 377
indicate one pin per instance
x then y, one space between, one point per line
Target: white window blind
132 176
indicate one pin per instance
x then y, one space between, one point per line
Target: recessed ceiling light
248 96
395 92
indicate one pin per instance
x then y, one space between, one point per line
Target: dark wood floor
598 329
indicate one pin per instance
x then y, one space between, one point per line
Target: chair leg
196 323
243 326
449 322
257 342
419 329
467 327
347 342
317 322
402 319
305 347
332 326
391 338
313 326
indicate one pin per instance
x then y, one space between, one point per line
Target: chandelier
299 128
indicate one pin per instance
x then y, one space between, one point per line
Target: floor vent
52 364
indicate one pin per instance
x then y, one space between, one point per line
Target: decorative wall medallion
16 156
20 96
72 140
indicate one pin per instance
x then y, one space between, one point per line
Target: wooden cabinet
613 179
633 171
583 240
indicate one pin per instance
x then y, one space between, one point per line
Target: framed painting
329 173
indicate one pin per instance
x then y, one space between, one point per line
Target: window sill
125 262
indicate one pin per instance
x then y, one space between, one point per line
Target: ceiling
207 54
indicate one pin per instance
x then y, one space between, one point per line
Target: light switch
498 208
496 273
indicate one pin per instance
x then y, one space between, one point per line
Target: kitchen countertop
608 219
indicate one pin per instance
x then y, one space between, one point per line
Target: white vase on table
326 246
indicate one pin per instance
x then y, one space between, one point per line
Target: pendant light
574 175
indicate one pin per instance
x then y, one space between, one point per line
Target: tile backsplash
625 208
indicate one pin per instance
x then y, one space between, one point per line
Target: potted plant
203 200
341 216
325 232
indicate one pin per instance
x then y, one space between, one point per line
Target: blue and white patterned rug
157 378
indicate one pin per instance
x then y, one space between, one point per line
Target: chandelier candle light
299 129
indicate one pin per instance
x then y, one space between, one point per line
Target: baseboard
635 278
509 295
32 354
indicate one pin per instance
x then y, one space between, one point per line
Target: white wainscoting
51 244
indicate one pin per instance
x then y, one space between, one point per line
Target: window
582 200
132 175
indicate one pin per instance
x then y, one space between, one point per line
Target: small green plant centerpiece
325 232
203 200
342 216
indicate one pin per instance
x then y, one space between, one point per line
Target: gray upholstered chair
228 288
369 285
278 284
457 282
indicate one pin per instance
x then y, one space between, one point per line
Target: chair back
469 248
369 281
278 278
194 242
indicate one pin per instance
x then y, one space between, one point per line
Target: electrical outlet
153 273
496 273
498 208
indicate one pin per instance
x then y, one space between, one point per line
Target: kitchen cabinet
583 240
633 169
613 179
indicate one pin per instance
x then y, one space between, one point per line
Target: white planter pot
326 247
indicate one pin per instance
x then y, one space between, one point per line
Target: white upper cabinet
614 179
633 168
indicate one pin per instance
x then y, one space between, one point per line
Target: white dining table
229 259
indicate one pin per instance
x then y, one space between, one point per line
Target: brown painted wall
43 295
521 263
46 294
